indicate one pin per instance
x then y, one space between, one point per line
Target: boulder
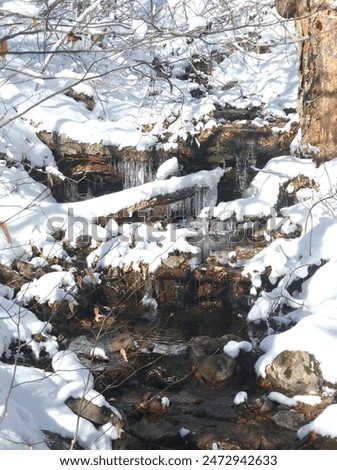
203 345
295 372
288 419
215 369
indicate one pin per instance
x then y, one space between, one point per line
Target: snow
149 302
55 288
151 247
98 353
137 106
35 400
22 8
116 202
183 432
168 168
26 416
20 324
233 348
240 397
165 402
196 22
291 402
324 424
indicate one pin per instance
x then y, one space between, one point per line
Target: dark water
174 326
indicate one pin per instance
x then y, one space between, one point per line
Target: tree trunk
316 25
286 8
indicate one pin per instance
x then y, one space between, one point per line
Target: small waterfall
136 172
193 205
243 164
70 191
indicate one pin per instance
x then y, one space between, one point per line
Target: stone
152 403
122 341
268 405
202 345
288 419
155 430
295 372
87 410
215 369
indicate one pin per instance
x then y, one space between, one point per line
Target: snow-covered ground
309 311
143 99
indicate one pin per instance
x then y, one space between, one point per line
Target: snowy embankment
302 289
30 217
300 263
33 400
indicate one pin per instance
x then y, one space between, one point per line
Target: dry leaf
79 281
123 354
97 313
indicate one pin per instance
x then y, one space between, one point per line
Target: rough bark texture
318 78
286 8
316 25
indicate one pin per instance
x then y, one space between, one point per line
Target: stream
157 365
163 365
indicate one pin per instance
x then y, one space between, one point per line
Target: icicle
243 163
134 172
71 193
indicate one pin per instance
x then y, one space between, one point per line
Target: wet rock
87 410
153 403
168 370
202 440
246 366
211 283
129 442
204 345
230 436
288 419
154 430
314 441
268 405
122 341
89 164
250 435
83 345
118 371
295 372
89 350
174 286
215 369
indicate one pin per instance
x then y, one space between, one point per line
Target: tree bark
316 25
286 8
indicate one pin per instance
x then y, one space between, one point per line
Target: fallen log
147 195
